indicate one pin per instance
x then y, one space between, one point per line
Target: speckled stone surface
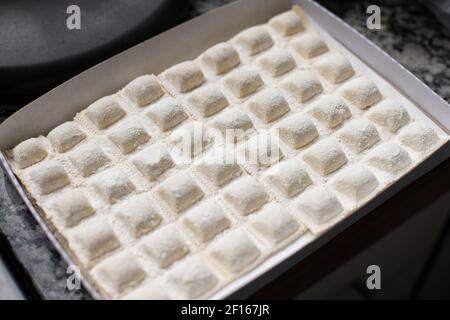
409 33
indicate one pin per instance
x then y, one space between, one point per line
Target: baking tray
162 51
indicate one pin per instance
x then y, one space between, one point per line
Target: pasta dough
206 220
48 176
29 152
359 135
274 223
355 182
268 105
289 177
389 114
418 137
143 90
243 81
129 135
65 136
208 100
93 241
192 278
235 252
277 62
334 67
180 191
113 185
149 291
139 215
71 207
153 161
390 157
220 58
325 156
330 110
166 113
309 45
302 85
360 92
119 273
318 206
297 131
184 76
104 112
245 195
165 246
253 40
286 23
88 158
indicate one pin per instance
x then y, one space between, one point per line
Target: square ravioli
243 81
192 278
91 241
65 136
361 92
389 114
389 157
70 207
220 58
359 135
334 67
48 176
253 40
289 177
302 85
232 125
260 151
113 185
207 100
277 62
235 251
138 215
206 220
184 77
104 112
153 161
356 182
166 113
286 23
190 140
29 152
119 273
309 45
274 223
330 110
268 105
418 137
143 90
325 156
317 207
297 131
245 195
165 246
151 290
180 191
88 158
128 135
218 170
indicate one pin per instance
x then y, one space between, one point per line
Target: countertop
409 33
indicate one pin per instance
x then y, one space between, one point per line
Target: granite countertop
409 33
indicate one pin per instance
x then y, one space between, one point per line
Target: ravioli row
206 224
